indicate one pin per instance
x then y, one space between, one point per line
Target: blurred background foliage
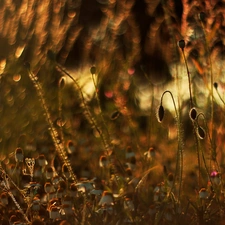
132 43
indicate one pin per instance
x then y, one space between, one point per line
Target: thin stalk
179 161
87 111
189 79
211 85
53 132
60 111
99 106
213 150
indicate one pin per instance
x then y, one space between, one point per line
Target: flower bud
193 113
215 85
201 132
202 16
160 113
181 44
106 199
42 161
93 70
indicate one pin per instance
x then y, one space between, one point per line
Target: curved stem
88 113
189 79
179 160
220 96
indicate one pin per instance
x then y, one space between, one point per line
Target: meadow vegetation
112 112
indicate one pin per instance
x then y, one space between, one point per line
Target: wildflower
55 180
54 213
103 162
36 204
85 186
152 210
60 192
4 198
37 172
203 193
105 210
215 178
19 155
49 173
159 192
41 160
66 200
131 163
150 154
169 215
66 210
48 187
129 174
128 204
106 199
52 195
96 192
129 153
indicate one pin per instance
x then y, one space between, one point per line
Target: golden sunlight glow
2 65
19 51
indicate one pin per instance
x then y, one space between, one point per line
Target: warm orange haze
112 112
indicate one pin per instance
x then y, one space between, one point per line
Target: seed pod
215 85
193 113
160 113
42 160
201 132
93 70
202 16
115 115
181 44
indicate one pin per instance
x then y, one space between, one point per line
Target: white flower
128 204
150 154
106 199
203 194
85 186
54 213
